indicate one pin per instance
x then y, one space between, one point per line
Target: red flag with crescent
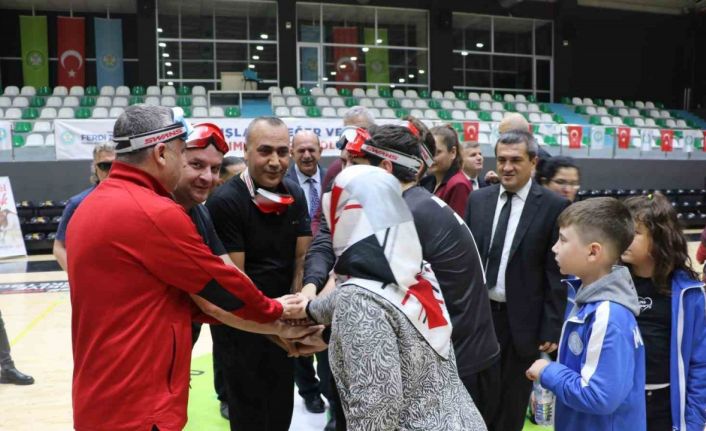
667 138
623 137
71 51
575 136
346 57
470 131
703 143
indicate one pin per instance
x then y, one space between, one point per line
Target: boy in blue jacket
599 379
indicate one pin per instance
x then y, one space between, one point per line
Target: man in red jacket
134 259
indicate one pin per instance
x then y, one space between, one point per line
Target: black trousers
659 410
305 377
484 388
259 380
515 387
218 379
5 358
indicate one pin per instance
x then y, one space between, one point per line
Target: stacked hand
294 306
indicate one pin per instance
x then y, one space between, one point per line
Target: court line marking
35 321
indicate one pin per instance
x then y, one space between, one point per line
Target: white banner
597 137
11 242
5 135
75 139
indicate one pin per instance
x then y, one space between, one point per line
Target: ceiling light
464 53
324 78
378 41
392 86
333 73
479 45
162 45
170 73
165 54
411 76
366 49
401 80
421 71
255 57
354 58
263 36
251 66
159 29
260 48
343 66
168 64
170 83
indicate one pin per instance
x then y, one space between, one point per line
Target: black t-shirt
202 219
655 322
268 240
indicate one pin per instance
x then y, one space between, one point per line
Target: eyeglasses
104 166
566 184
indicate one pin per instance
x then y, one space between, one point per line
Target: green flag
35 58
377 59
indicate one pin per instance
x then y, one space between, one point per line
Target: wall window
198 40
341 45
502 54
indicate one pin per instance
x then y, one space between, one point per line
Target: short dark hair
548 167
229 161
519 137
602 220
449 138
399 139
271 121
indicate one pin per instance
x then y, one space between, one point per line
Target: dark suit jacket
292 174
536 299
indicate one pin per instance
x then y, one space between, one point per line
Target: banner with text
11 242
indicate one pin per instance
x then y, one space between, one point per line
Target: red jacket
455 192
133 257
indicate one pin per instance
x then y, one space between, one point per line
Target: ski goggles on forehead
348 134
180 129
206 134
363 144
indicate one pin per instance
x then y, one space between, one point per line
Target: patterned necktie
314 198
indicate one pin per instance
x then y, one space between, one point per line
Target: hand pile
296 333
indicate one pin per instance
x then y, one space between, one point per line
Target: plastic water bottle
544 405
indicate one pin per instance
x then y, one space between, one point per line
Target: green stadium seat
509 106
659 105
485 116
580 110
308 101
88 101
401 113
645 112
599 102
586 140
183 101
613 111
444 115
184 91
22 127
595 119
544 107
351 101
345 92
461 95
532 98
138 90
497 97
385 92
134 100
631 122
473 105
458 127
37 102
551 141
44 91
303 91
232 112
91 91
187 111
630 103
558 119
313 112
434 104
393 103
82 113
30 114
18 141
423 94
566 100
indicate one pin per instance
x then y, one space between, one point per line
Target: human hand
309 290
312 343
298 322
547 347
293 306
297 332
535 371
491 177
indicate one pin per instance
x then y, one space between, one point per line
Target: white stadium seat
200 112
372 92
14 114
274 91
358 92
103 101
449 95
380 103
49 140
76 90
34 140
328 112
115 112
397 93
199 101
42 126
420 104
649 105
215 112
28 90
342 112
520 98
5 102
457 115
576 101
298 111
331 92
431 114
293 101
366 102
66 113
471 115
375 112
447 104
417 113
639 104
153 90
437 95
289 91
509 98
122 91
587 101
282 111
71 101
682 124
120 101
485 106
407 104
337 102
20 102
12 90
47 113
473 96
459 105
521 107
53 102
387 113
107 90
99 112
152 100
316 92
168 101
168 90
411 94
546 118
278 101
497 106
322 102
198 90
609 103
60 90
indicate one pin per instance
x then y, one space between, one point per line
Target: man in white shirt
473 164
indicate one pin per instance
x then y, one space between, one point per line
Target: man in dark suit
514 224
305 171
473 164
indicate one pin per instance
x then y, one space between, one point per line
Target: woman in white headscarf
390 348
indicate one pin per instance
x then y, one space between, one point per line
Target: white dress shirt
497 292
303 178
474 181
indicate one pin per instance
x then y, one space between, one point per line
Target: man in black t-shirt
263 220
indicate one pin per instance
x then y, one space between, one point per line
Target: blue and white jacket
599 379
688 357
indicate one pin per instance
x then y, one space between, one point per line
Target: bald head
306 151
513 121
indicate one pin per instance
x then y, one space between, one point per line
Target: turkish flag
623 137
703 143
71 51
575 136
470 131
346 68
667 137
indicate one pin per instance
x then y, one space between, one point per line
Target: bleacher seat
34 140
47 113
153 90
53 102
457 115
639 104
199 101
649 105
49 140
313 112
122 90
66 112
120 101
358 92
100 112
298 111
2 113
168 101
322 101
200 112
682 124
82 113
670 123
388 113
431 114
380 103
447 104
606 121
576 101
458 104
617 121
286 91
485 106
115 112
232 112
328 112
520 98
411 94
509 98
417 113
546 118
633 112
60 91
22 127
471 115
282 111
28 90
421 104
474 96
496 116
216 112
316 92
152 100
5 102
278 101
366 102
44 91
20 102
639 122
341 112
665 114
293 101
71 101
650 122
330 92
337 102
12 90
407 104
107 90
76 91
437 95
372 93
104 101
497 106
30 113
398 94
587 101
274 91
91 90
169 90
138 90
619 103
